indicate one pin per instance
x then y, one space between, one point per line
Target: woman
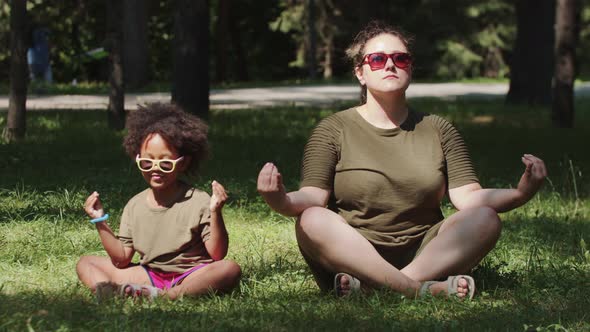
373 178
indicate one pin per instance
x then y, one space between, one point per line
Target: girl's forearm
112 245
218 237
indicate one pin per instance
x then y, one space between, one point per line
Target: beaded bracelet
101 219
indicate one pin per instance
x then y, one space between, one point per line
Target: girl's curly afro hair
185 132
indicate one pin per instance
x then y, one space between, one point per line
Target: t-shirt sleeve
460 170
321 154
126 229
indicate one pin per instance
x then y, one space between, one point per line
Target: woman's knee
311 220
489 222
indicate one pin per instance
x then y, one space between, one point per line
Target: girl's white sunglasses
165 165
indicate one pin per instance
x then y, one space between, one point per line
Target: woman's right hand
270 186
93 206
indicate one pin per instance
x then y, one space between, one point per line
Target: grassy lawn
536 279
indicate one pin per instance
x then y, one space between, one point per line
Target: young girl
177 229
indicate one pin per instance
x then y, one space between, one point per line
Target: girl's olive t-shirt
170 239
387 183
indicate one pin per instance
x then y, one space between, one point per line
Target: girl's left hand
218 198
533 177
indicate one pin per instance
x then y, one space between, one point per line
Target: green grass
536 279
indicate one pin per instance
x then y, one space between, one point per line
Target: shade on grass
537 276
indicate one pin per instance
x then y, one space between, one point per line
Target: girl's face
156 148
390 78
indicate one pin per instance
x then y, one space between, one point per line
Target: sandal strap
425 288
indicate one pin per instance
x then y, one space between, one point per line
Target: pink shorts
167 280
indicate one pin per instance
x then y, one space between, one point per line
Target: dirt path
276 96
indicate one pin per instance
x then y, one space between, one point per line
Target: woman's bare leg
324 237
462 242
466 237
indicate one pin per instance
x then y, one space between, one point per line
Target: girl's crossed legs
219 276
329 243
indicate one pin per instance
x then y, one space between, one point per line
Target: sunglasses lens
402 60
145 165
377 60
166 166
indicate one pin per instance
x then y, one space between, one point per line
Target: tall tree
311 38
114 39
135 43
16 124
327 31
222 40
531 68
566 36
190 76
229 53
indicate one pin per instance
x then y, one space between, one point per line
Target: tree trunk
222 41
135 43
327 32
116 108
16 122
190 86
531 68
566 37
311 39
237 48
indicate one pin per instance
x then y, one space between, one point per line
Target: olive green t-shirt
171 239
387 183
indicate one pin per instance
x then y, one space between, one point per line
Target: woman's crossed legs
464 238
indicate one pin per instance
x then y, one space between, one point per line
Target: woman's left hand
533 177
218 198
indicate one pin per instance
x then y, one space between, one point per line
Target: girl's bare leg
219 276
94 269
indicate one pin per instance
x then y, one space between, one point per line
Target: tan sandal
453 283
107 290
355 284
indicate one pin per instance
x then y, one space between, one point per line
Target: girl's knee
84 262
229 274
232 270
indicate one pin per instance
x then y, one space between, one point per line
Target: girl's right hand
270 186
93 206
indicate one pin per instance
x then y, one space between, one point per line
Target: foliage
455 39
536 279
457 61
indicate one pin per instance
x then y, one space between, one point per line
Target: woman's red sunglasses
378 60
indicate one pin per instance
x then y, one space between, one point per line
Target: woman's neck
165 197
387 111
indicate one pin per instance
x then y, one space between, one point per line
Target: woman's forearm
298 201
501 200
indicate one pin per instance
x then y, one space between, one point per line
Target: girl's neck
165 197
385 111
